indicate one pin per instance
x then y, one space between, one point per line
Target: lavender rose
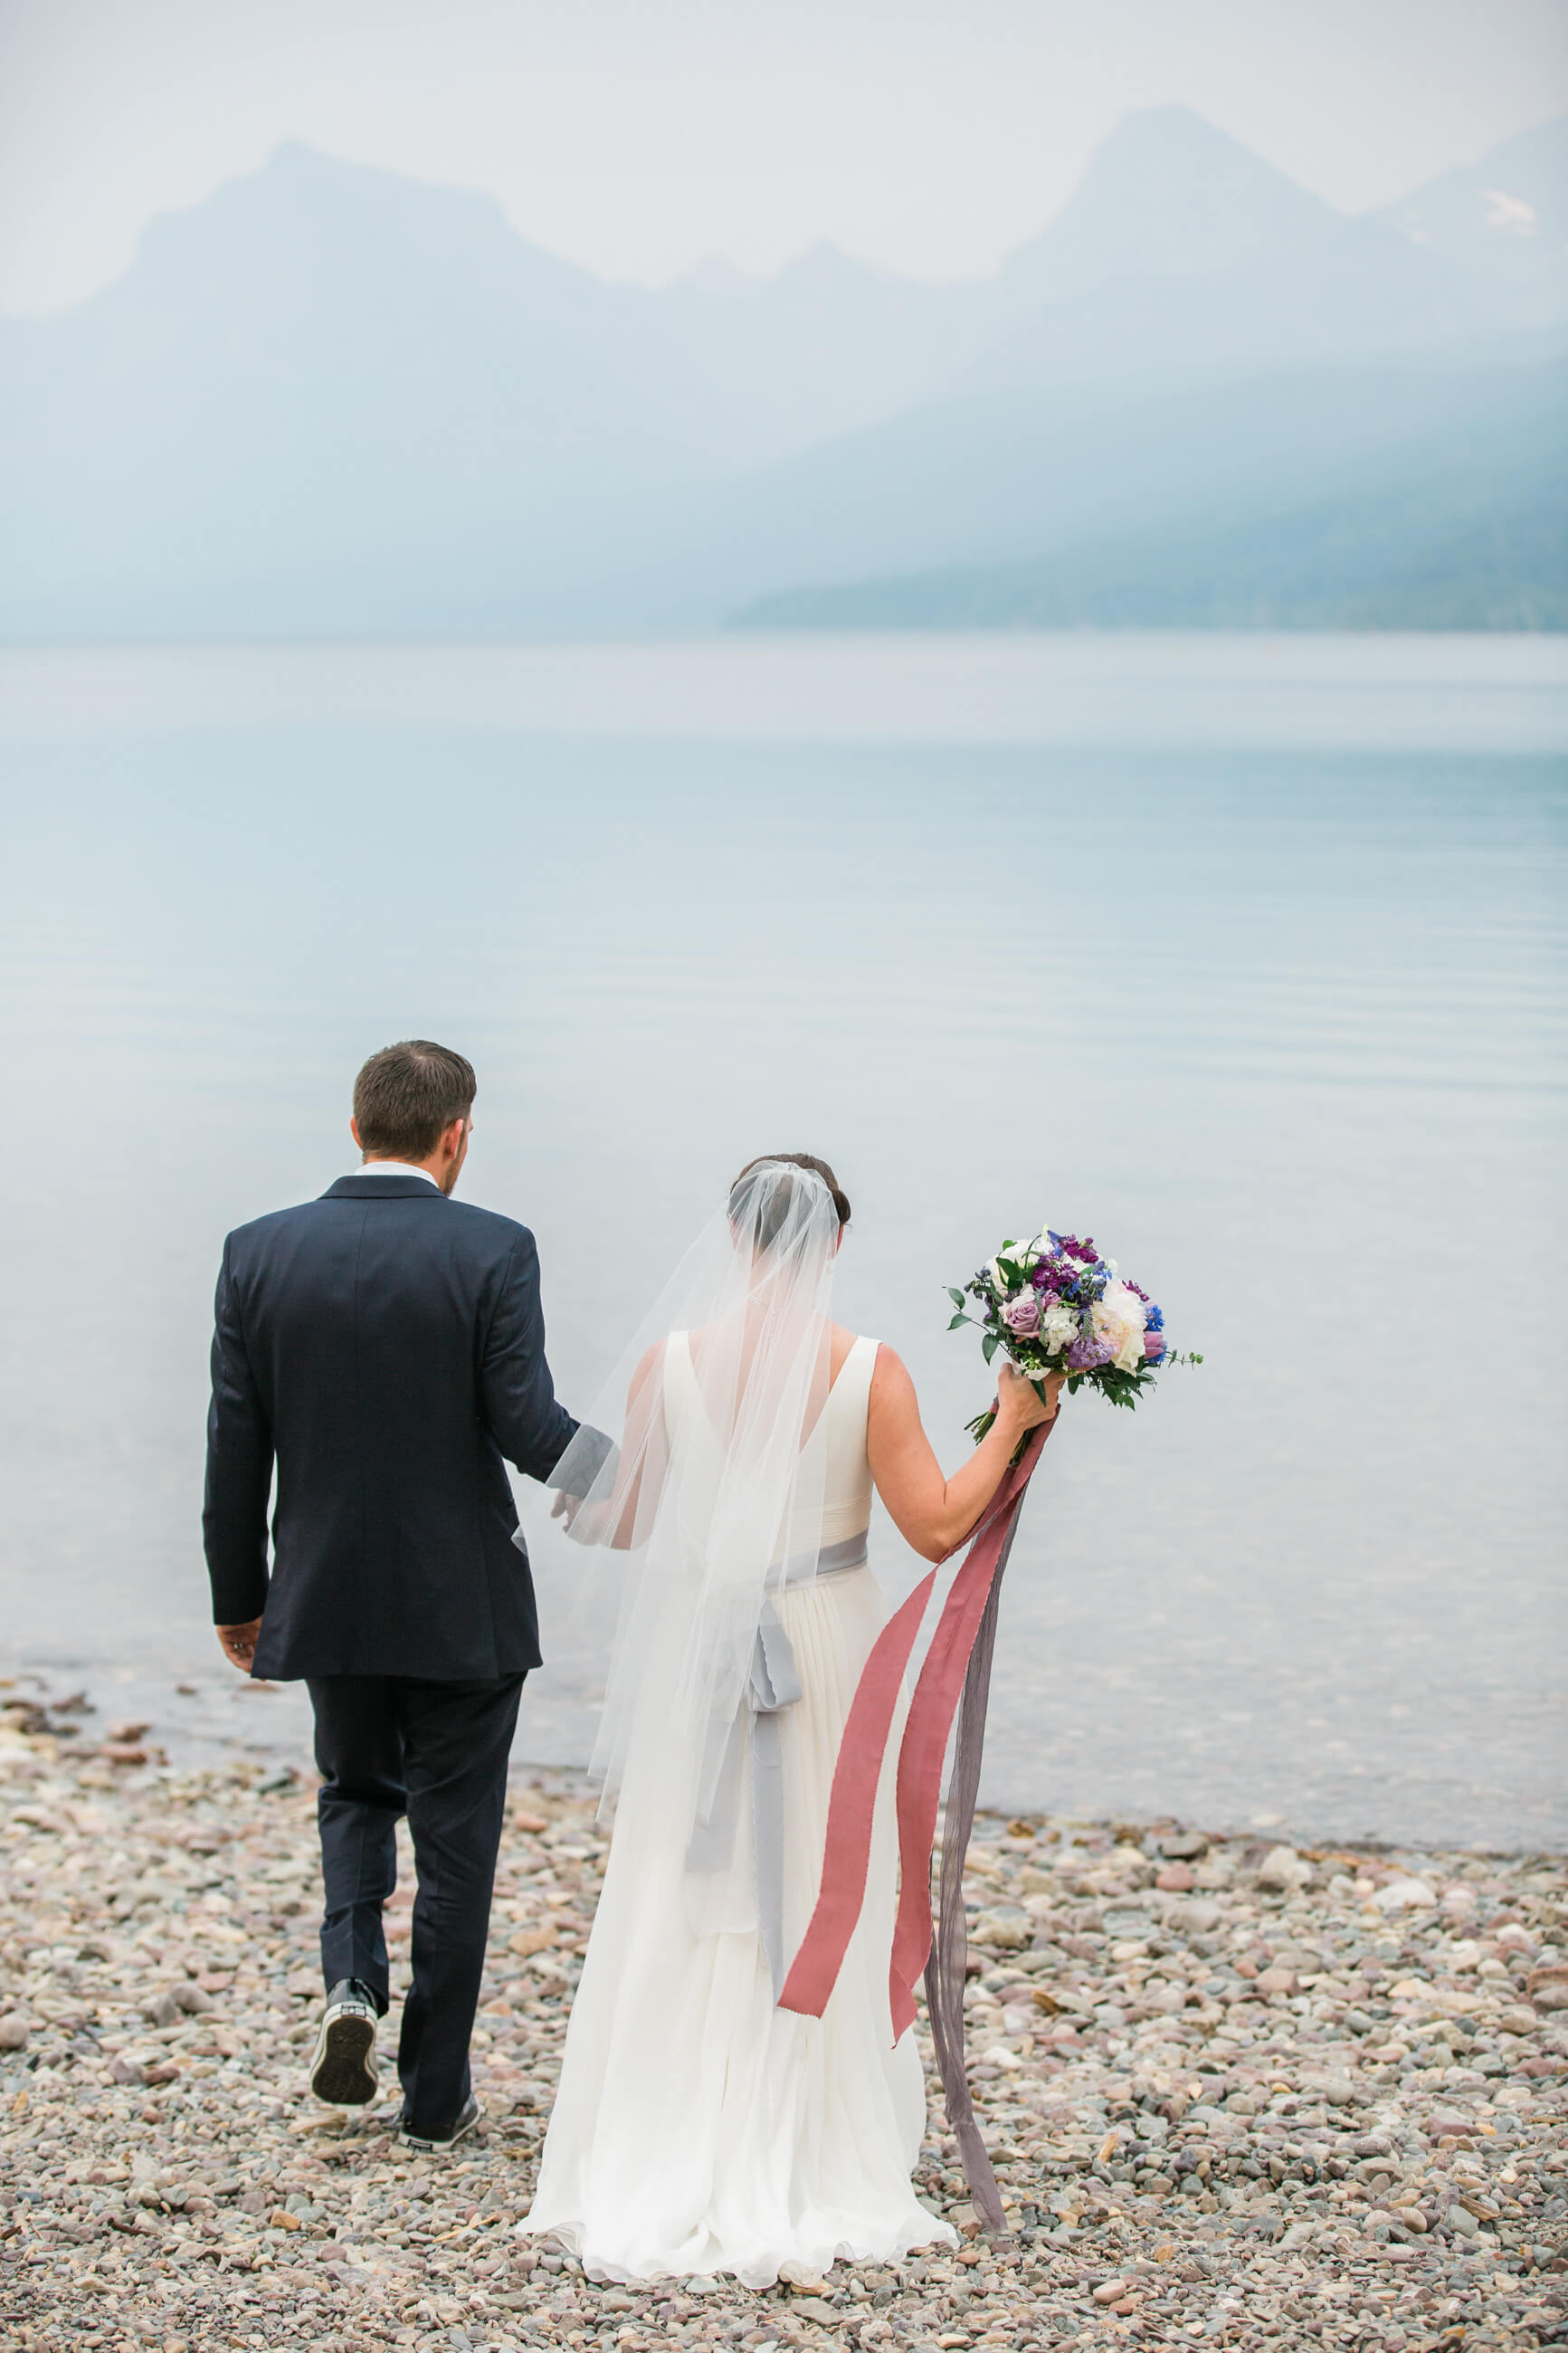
1022 1316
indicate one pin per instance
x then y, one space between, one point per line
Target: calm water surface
1244 954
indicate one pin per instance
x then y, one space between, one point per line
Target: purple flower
1154 1346
1085 1356
1022 1315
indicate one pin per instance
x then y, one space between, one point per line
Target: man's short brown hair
408 1095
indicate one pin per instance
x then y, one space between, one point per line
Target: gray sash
806 1567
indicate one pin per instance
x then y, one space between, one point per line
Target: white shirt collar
394 1169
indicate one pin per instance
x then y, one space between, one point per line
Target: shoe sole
343 2074
435 2147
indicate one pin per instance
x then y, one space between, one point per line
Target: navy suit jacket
384 1348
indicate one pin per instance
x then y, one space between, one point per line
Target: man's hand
239 1644
565 1507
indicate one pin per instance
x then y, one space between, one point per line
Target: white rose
1118 1319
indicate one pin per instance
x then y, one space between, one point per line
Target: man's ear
353 1131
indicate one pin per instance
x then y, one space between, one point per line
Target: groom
383 1348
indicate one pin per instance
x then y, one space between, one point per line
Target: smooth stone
1283 1868
1198 1912
1404 1895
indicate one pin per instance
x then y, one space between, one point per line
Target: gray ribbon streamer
947 1969
772 1685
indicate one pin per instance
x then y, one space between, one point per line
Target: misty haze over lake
334 402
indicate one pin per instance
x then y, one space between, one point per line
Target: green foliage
1120 1387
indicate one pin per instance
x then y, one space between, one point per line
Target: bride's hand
1018 1404
588 1523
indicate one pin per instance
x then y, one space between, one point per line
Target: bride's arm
930 1512
642 1464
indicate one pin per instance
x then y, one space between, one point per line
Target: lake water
1244 954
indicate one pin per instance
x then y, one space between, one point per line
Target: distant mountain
327 397
333 401
1019 478
1182 252
828 345
1509 214
1166 194
1462 531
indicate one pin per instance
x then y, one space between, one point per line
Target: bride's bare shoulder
893 1390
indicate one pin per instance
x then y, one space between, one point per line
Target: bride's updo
809 1160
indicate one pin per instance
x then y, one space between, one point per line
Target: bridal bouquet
1054 1305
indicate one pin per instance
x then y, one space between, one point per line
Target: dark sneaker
465 2125
343 2072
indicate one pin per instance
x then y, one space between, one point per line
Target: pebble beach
1239 2091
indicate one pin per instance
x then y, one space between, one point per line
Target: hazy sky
639 135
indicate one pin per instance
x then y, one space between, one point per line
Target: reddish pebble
1176 1879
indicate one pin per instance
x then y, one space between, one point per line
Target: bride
700 2127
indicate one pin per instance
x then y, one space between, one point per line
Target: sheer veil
700 2125
715 1494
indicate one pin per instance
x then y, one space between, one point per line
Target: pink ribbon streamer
852 1803
932 1712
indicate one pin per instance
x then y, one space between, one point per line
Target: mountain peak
1166 194
716 273
308 217
1512 207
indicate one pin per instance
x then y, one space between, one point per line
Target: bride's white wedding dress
699 2129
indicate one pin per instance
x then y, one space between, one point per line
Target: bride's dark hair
792 1160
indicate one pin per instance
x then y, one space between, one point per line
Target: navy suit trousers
391 1745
